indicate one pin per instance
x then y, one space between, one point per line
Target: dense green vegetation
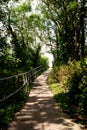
20 51
67 32
12 105
59 25
69 85
66 28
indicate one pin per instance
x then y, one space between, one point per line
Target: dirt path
41 112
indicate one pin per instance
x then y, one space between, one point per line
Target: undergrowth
11 106
69 85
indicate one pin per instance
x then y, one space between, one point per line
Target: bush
72 77
61 74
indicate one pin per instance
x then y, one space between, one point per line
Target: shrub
72 77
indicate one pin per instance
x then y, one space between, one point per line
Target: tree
64 17
82 26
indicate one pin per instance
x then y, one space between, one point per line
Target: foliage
13 104
61 26
44 61
65 26
9 65
60 96
69 85
63 71
20 46
77 84
9 107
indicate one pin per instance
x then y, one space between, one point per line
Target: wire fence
10 86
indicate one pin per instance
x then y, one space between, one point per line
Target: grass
60 96
62 99
64 83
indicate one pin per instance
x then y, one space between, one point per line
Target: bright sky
50 57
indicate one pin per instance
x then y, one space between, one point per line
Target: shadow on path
41 112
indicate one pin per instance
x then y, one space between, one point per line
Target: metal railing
18 82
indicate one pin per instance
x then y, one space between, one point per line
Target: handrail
29 75
13 76
20 74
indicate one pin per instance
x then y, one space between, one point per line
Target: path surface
41 112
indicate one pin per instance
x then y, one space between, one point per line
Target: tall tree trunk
82 27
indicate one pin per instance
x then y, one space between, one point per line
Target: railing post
22 80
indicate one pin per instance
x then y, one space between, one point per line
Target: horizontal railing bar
10 95
19 74
16 91
14 76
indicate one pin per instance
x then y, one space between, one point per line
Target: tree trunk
82 27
